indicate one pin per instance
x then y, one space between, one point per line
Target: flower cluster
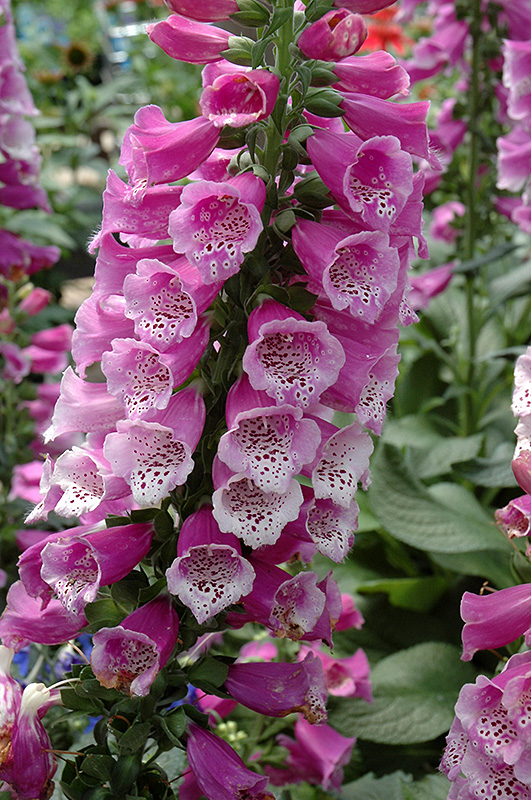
237 317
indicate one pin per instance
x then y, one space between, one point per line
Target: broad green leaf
134 738
417 594
411 514
439 458
415 691
490 565
432 787
397 786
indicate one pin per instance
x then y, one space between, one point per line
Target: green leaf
415 691
174 725
103 613
98 766
124 774
417 594
134 739
397 786
208 670
411 514
280 16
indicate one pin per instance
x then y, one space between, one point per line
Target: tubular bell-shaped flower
289 358
267 443
376 74
495 619
155 456
186 40
208 11
209 572
219 770
237 96
217 223
284 688
129 656
337 34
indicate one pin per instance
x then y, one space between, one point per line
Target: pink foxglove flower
495 619
343 463
331 527
289 358
186 40
31 765
488 752
428 285
155 456
317 756
516 70
219 770
372 180
515 518
143 379
157 151
83 407
521 467
17 364
217 223
344 677
129 656
364 6
209 572
284 688
521 400
164 301
138 209
337 34
444 219
24 621
370 116
237 96
244 509
99 320
208 11
35 301
514 159
358 272
376 74
268 443
10 696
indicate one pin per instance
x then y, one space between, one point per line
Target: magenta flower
130 656
444 218
143 379
186 40
254 515
372 180
488 750
267 443
35 301
138 210
209 572
429 284
116 261
516 70
358 272
344 677
515 518
371 116
343 463
237 96
217 223
24 621
208 11
495 619
284 688
337 34
157 151
376 74
74 564
521 467
317 756
10 696
17 364
364 6
164 302
83 407
156 456
514 159
331 527
219 771
289 358
30 764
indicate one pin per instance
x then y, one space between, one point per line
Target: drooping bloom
344 677
217 223
10 696
155 456
495 619
337 34
209 572
289 358
157 151
376 74
30 764
488 752
284 688
129 656
237 96
317 755
190 41
207 11
219 771
515 518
